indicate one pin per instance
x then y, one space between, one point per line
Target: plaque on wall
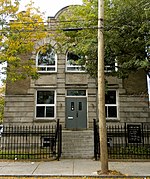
134 133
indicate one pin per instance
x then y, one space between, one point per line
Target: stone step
77 144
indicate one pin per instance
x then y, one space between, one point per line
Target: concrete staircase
77 144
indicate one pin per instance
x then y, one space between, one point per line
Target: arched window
75 62
46 60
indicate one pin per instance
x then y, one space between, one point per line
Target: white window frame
46 105
46 66
110 105
108 68
74 67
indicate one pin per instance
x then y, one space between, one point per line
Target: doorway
76 112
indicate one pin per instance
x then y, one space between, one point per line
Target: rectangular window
111 104
45 104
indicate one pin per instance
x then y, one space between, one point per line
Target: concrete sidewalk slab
71 167
17 168
63 167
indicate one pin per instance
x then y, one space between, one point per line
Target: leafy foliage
2 103
19 31
126 34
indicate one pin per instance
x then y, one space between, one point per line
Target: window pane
75 62
106 112
76 92
110 97
40 111
72 59
46 58
50 68
109 67
50 111
41 68
45 97
75 68
112 111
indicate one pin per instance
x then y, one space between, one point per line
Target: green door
76 113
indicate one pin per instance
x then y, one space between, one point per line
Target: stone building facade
65 91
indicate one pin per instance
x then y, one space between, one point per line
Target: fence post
142 135
59 132
60 141
95 138
125 128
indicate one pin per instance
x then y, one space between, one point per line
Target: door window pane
72 106
80 106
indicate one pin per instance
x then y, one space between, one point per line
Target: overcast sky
51 7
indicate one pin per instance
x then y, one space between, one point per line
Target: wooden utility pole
101 90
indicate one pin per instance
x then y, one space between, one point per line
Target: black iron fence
31 142
125 141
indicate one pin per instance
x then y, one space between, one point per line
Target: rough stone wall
20 87
134 108
133 103
20 96
136 83
19 109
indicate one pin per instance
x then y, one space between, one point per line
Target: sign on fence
134 133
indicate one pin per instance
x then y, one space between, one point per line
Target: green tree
19 31
126 32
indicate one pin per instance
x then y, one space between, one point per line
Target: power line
49 22
50 29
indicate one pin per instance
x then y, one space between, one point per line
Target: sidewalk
71 167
